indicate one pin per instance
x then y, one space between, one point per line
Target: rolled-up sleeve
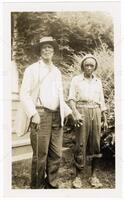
102 100
72 91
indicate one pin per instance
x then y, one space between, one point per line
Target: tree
75 32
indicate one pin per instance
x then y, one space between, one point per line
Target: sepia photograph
63 99
74 136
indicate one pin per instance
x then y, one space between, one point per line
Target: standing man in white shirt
87 103
42 83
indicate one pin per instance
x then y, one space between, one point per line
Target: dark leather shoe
49 186
41 186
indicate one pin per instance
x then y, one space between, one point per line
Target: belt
42 109
88 104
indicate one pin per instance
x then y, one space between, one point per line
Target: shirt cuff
103 108
73 99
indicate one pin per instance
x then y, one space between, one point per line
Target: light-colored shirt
29 93
83 89
49 88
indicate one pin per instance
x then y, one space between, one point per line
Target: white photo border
114 8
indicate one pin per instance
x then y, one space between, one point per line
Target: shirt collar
43 64
93 77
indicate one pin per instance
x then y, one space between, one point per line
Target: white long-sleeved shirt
29 92
49 88
83 89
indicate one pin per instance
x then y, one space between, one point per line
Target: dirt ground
106 170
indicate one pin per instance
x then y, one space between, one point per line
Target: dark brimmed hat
86 57
46 40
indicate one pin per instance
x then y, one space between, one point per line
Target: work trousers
88 135
46 142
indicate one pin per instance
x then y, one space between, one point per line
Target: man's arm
72 100
103 108
77 116
105 124
67 110
25 96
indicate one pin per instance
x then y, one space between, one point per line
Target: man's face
89 66
47 51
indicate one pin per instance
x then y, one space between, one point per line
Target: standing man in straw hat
42 82
87 102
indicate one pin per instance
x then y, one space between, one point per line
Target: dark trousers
46 143
88 136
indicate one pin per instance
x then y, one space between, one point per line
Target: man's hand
105 126
36 119
69 120
78 119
